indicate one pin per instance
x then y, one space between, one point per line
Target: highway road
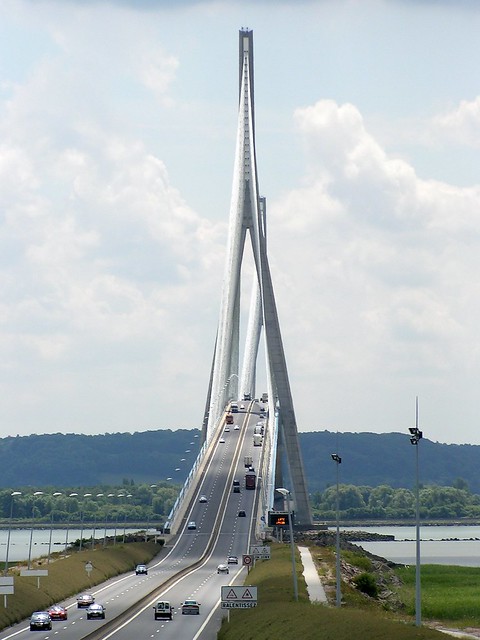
219 532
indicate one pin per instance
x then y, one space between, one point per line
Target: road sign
247 560
37 573
260 552
6 582
235 597
6 586
88 568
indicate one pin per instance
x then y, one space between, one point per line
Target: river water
19 547
453 545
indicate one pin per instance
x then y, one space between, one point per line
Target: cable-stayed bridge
281 461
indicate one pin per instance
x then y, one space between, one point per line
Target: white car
232 560
203 499
236 427
191 525
223 568
227 429
222 441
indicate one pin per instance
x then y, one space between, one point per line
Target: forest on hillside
368 459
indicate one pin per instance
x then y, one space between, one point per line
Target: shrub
366 583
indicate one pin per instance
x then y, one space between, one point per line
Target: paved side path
315 588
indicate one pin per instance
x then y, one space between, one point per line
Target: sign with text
260 552
235 597
37 573
6 586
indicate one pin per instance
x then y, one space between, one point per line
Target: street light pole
36 493
13 494
337 459
286 494
71 495
55 495
415 436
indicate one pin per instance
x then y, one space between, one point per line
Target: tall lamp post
286 494
55 495
35 494
415 437
85 495
337 459
13 494
70 495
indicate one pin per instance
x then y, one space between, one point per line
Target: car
85 600
227 429
236 427
232 560
141 569
203 499
242 407
40 620
190 608
192 525
242 514
250 468
262 409
223 568
96 611
56 612
236 489
222 441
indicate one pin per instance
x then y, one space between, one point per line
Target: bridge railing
186 485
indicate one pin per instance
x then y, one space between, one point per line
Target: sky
117 140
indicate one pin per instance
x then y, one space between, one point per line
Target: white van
163 610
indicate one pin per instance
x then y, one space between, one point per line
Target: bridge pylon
248 217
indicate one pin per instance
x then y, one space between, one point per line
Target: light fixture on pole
415 437
55 495
286 494
35 494
12 495
70 495
337 459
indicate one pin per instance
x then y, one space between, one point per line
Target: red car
57 612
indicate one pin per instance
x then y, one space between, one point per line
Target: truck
250 480
258 429
257 439
163 610
229 419
247 461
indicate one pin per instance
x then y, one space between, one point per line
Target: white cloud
382 269
461 125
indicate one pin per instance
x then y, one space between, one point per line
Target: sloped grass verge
67 577
279 616
449 593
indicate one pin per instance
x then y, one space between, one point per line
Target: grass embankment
449 593
279 616
67 577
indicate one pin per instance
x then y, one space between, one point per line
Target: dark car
40 620
85 600
96 611
57 612
141 569
242 514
